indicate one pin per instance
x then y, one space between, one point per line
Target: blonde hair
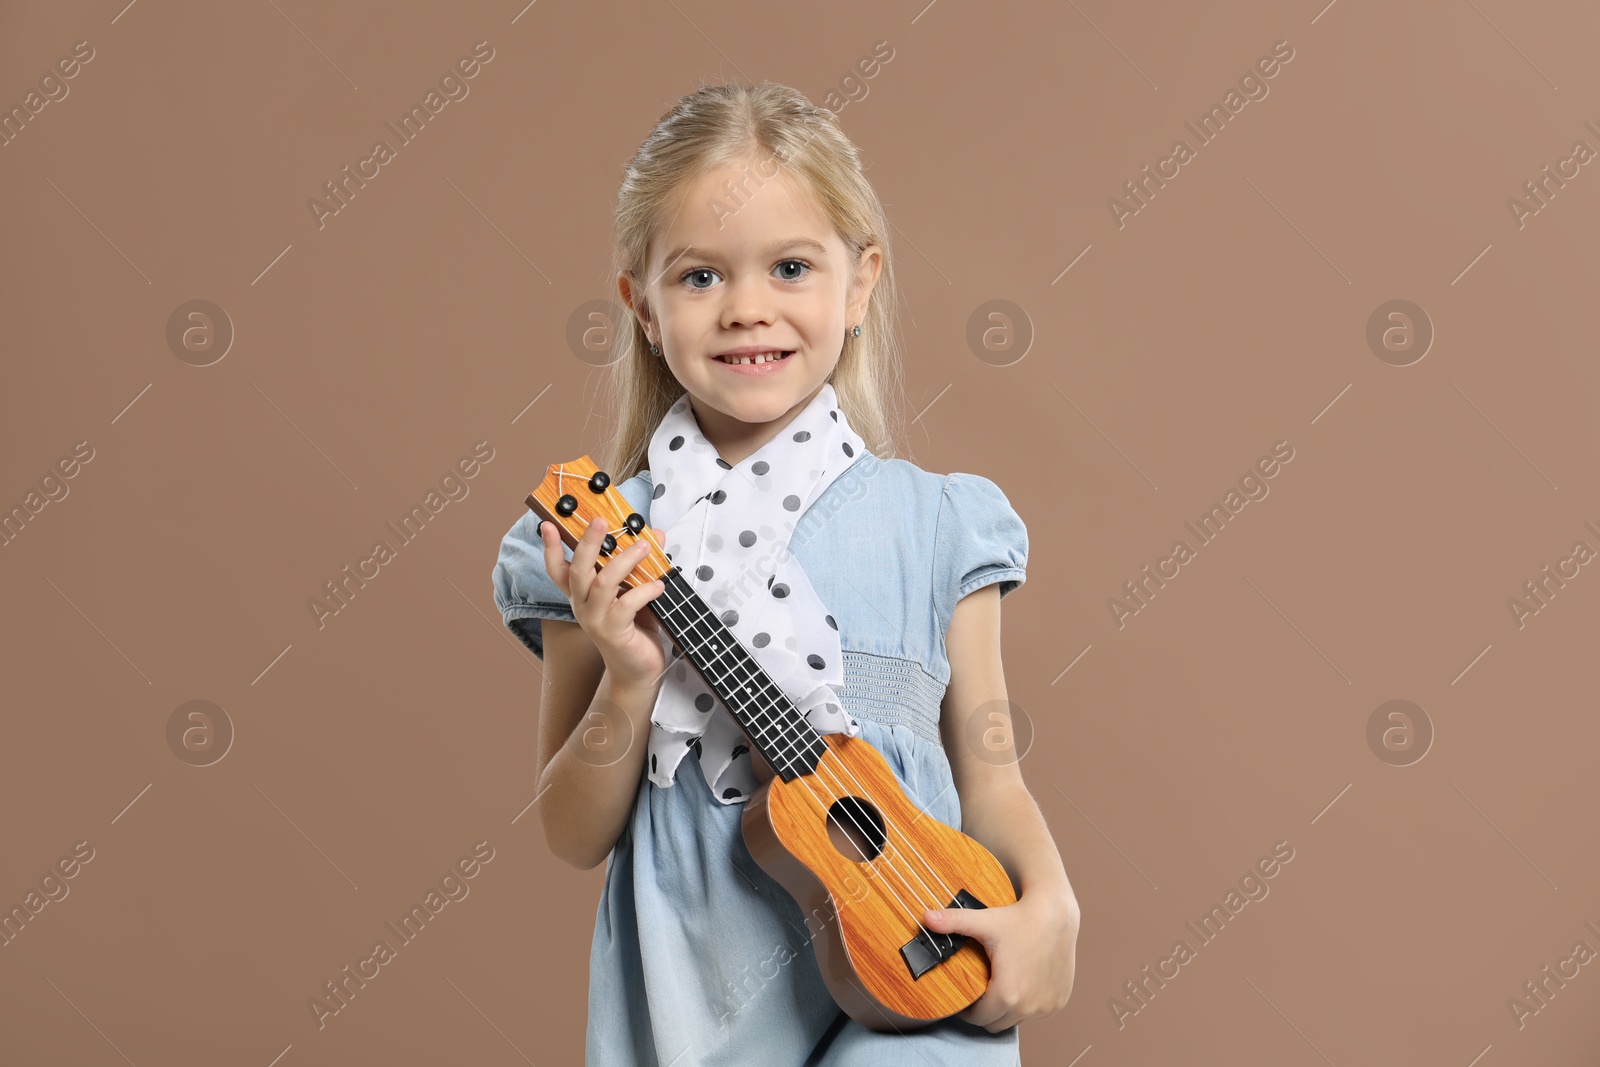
714 126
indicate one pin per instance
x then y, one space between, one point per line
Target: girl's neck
736 441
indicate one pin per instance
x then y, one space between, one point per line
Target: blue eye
693 272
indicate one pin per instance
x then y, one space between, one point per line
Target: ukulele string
892 855
932 871
649 534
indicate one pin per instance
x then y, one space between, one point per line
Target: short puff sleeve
524 591
979 539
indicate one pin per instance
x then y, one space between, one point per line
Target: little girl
751 433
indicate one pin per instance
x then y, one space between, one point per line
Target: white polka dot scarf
728 529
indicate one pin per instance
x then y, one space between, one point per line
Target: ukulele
833 826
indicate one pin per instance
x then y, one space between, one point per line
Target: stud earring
655 349
855 331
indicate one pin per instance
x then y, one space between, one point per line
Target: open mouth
757 358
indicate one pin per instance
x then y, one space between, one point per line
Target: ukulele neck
773 724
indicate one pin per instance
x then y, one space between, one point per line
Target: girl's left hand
1032 949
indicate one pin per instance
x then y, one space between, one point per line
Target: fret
771 721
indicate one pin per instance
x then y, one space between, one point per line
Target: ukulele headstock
576 492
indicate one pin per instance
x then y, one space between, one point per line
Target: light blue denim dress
699 957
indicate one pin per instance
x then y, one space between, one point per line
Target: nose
748 302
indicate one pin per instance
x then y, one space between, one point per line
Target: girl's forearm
587 790
1007 821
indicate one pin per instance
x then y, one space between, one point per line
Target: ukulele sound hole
856 829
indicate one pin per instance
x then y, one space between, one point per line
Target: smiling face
770 275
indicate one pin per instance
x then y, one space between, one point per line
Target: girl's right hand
626 636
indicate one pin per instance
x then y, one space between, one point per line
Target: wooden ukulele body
874 908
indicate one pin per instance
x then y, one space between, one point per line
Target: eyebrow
771 250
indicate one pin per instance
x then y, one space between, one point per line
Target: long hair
718 125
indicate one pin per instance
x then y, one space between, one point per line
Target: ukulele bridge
927 950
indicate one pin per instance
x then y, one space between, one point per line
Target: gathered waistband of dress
894 691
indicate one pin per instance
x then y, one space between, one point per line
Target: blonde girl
753 432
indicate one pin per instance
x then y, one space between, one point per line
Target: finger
581 577
634 600
622 563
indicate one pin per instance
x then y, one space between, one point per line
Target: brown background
370 354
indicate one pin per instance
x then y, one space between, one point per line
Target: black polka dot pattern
727 523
